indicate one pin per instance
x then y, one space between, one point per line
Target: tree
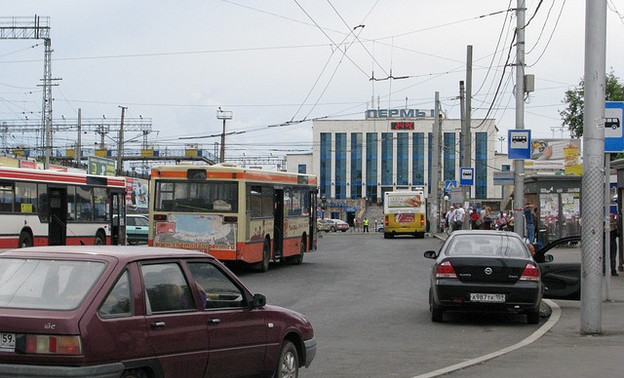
573 114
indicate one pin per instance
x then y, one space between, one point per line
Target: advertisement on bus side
194 231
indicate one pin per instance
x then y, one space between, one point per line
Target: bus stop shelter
558 202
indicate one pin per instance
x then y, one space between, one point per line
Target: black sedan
484 271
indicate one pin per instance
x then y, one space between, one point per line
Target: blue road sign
466 176
519 144
450 184
614 140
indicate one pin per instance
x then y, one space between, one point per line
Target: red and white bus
235 214
46 207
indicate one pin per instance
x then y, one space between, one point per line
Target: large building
392 149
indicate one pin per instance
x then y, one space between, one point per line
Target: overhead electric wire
328 37
498 42
356 37
501 80
550 38
539 36
614 9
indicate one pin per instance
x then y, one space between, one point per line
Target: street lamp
224 115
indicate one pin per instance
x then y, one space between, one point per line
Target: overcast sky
272 62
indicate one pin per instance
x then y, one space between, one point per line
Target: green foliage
573 114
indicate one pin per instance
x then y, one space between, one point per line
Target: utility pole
78 151
466 135
518 202
120 144
435 165
224 115
592 200
462 153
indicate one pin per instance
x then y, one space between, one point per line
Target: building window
481 165
341 166
418 159
449 156
325 165
356 165
402 158
301 168
386 158
371 166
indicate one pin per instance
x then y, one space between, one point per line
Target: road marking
552 320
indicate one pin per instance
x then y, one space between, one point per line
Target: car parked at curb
326 225
340 225
115 311
493 271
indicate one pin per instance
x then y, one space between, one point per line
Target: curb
552 320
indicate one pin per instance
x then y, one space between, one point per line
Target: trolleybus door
57 216
312 240
117 210
278 223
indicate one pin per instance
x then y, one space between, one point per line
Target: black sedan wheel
436 314
533 317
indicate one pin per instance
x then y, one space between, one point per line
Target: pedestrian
357 225
376 223
530 225
486 220
614 232
620 249
474 218
458 217
365 224
449 220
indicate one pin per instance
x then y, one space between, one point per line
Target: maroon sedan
110 311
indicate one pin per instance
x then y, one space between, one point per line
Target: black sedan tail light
445 270
530 273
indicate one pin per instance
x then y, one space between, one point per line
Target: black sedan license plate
489 298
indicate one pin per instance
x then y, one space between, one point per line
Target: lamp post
224 115
120 144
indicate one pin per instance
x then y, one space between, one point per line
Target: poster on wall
555 155
136 194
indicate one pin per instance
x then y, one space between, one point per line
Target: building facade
392 149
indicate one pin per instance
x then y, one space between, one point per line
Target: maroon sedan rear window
46 284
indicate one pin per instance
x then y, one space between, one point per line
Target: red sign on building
402 125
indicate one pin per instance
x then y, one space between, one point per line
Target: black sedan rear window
486 245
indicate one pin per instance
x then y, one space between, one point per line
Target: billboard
555 155
136 194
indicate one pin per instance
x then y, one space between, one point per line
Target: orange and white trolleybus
236 214
47 207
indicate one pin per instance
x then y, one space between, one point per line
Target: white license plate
490 298
7 342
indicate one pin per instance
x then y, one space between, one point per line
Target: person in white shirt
449 221
458 217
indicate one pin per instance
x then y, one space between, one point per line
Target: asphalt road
367 300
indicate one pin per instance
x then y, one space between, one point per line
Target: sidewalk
563 351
